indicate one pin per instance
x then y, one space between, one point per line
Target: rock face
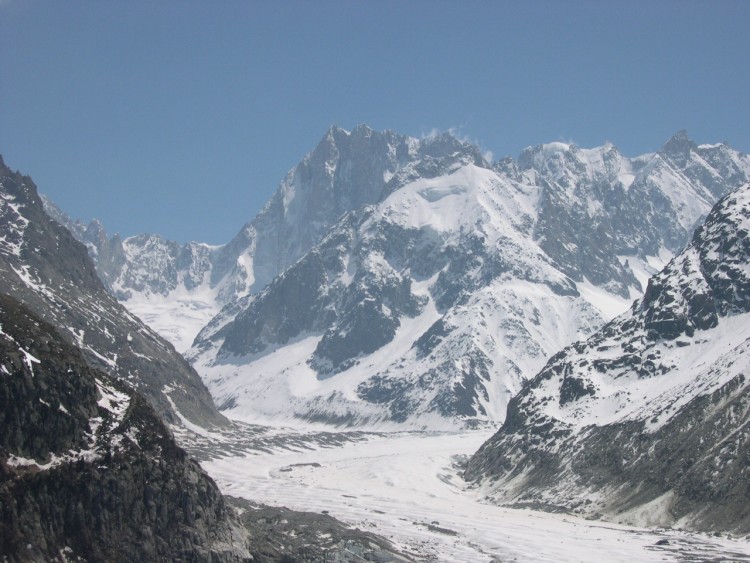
87 469
453 282
42 265
647 420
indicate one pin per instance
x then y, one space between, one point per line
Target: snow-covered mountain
432 304
408 309
647 420
410 280
49 271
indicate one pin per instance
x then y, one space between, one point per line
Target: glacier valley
542 358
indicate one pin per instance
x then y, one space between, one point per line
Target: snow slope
178 316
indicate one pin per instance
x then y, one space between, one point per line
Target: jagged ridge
385 307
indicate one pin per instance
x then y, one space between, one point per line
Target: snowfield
407 487
178 317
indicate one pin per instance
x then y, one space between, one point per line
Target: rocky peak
678 148
723 243
507 167
539 157
446 144
710 279
95 231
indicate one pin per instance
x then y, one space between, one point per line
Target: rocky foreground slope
87 469
648 420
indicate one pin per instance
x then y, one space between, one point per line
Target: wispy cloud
431 134
458 133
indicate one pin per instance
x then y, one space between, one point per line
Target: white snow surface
87 455
178 316
407 488
468 196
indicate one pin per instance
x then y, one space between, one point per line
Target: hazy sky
182 117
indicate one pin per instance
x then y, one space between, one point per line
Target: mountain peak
553 158
336 130
363 129
332 137
678 146
445 144
680 136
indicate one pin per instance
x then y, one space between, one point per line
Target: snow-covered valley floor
407 488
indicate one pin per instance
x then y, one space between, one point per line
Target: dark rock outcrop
87 469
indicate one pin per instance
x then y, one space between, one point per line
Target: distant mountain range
410 281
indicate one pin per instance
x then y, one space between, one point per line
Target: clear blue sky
182 117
